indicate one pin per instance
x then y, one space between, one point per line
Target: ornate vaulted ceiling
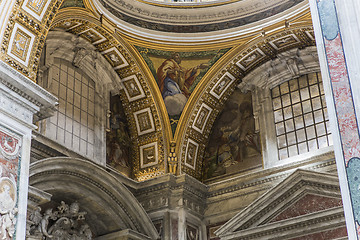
136 37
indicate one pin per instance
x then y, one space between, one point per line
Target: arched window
300 114
73 125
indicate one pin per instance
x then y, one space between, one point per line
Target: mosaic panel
177 75
233 146
118 141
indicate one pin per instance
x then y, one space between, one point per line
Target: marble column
21 102
337 32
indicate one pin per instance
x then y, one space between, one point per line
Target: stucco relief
67 222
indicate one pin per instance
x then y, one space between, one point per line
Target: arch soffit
51 174
31 25
251 66
89 60
37 24
138 96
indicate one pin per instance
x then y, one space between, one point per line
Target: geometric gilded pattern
284 42
36 8
250 59
144 121
20 45
115 58
132 87
148 155
222 85
301 117
92 36
202 117
191 153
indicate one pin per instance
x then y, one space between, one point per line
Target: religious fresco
234 146
177 74
10 148
118 143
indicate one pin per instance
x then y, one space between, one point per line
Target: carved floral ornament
67 222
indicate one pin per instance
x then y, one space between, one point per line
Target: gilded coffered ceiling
246 33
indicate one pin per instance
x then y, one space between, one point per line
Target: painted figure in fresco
118 142
243 136
234 144
174 82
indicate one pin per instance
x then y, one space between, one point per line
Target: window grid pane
73 125
301 119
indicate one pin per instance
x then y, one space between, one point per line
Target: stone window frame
260 82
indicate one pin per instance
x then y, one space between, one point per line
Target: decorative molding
222 85
202 118
259 64
21 44
33 98
232 15
36 8
116 59
149 155
130 212
144 121
132 88
191 154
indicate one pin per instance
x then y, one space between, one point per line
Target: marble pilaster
336 31
21 102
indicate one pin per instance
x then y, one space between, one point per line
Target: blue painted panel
353 173
328 18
